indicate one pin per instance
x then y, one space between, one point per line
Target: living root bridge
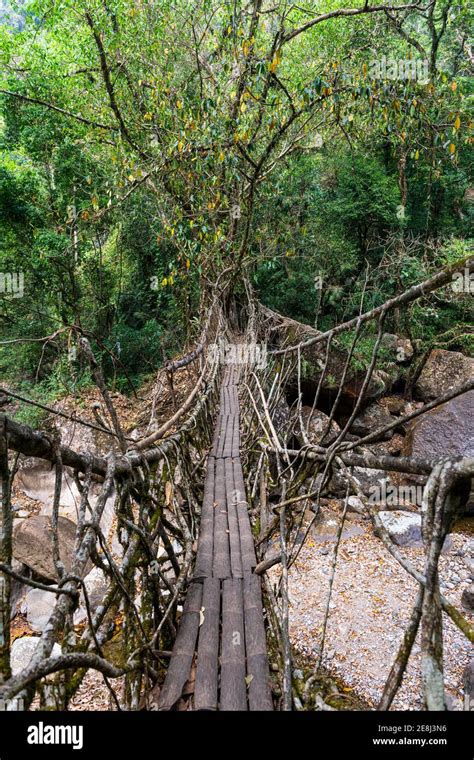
222 629
156 552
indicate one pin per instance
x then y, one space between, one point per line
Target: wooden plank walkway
222 629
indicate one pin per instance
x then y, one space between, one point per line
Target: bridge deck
222 628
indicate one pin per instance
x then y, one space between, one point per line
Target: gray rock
446 430
356 504
281 416
316 422
18 589
96 587
399 349
467 598
393 404
37 480
33 545
373 418
38 606
403 527
443 371
23 650
369 479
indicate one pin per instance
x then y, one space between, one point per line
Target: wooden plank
258 673
233 691
215 438
236 437
233 522
205 691
226 449
183 651
247 548
222 435
221 562
204 556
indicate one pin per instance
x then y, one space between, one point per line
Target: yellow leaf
417 155
274 64
179 104
164 282
454 86
457 123
221 156
243 107
180 146
188 263
452 148
168 492
147 116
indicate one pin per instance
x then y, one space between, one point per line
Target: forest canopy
147 149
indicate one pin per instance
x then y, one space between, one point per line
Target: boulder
396 348
38 606
467 598
447 430
96 586
281 416
391 446
404 527
318 422
18 589
37 480
443 371
367 479
33 544
312 366
393 404
373 418
23 650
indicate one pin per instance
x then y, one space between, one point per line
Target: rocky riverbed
370 605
